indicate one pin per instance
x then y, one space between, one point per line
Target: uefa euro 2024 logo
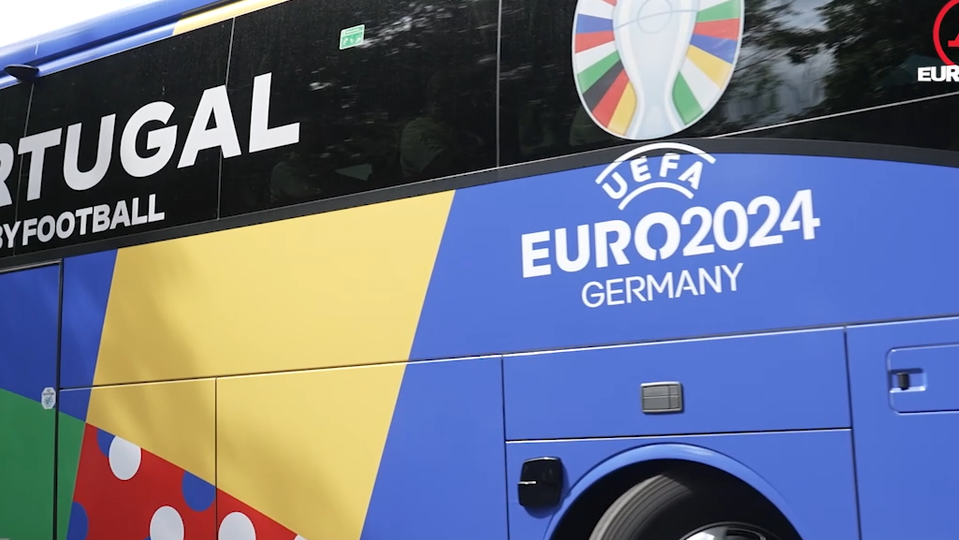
647 69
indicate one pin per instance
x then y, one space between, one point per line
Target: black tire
673 506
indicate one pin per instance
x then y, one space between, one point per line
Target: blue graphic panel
808 475
657 248
906 462
749 383
29 308
105 49
86 289
121 22
74 402
441 474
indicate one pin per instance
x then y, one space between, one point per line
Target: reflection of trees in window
873 49
807 58
871 42
769 84
799 60
354 105
876 47
408 31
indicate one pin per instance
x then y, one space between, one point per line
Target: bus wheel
671 506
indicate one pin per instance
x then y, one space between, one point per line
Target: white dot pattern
166 524
236 526
124 458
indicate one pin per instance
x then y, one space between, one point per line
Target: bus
484 270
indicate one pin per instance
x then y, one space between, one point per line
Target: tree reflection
802 59
354 105
753 92
875 47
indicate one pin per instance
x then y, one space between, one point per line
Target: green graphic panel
68 462
26 468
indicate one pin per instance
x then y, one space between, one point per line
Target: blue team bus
481 269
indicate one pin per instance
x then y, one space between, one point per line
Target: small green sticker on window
352 36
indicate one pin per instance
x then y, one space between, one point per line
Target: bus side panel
500 285
146 461
395 450
86 291
811 471
782 381
29 313
442 473
298 294
906 439
298 452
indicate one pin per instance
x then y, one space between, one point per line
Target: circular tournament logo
945 33
647 69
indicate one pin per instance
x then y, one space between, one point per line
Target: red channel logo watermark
945 37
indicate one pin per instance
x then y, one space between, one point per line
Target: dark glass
416 100
924 124
799 59
177 71
13 118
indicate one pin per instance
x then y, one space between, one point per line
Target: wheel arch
672 452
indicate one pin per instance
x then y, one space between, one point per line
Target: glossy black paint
448 87
13 115
541 482
800 59
921 124
176 71
423 82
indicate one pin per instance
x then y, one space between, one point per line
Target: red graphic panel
126 493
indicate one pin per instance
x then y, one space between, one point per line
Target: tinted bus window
13 117
924 124
798 59
414 100
150 96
